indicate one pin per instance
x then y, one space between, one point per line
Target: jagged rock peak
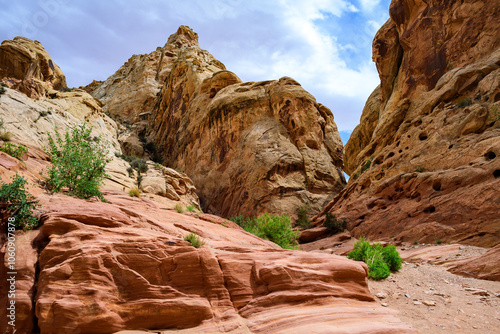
184 36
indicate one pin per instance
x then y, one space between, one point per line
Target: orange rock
483 267
424 165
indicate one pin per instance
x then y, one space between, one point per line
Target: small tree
303 219
16 202
78 162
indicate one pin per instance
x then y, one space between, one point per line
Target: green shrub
78 162
19 203
391 257
190 208
464 102
130 172
419 169
366 165
334 225
277 229
2 88
438 241
303 219
14 150
139 165
380 260
179 208
194 240
134 192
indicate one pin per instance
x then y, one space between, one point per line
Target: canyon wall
424 160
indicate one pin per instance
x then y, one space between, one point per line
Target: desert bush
194 240
365 166
139 165
190 208
303 218
380 260
2 88
130 172
78 162
134 192
464 102
179 208
277 229
18 203
15 150
334 225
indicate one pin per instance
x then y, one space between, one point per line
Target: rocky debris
427 147
27 67
123 265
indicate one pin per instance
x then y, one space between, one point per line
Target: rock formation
424 160
123 265
27 67
249 147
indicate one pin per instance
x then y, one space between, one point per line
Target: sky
323 44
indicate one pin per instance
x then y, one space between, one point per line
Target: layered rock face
30 122
27 67
249 147
424 160
123 265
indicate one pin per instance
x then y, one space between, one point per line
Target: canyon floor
433 300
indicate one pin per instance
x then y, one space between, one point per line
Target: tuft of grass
419 169
158 166
365 166
438 241
277 229
134 192
190 208
380 260
5 136
194 240
303 218
334 225
179 208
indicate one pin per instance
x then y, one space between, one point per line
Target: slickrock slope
27 67
97 267
431 130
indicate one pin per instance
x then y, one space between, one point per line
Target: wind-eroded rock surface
27 67
105 267
249 147
424 161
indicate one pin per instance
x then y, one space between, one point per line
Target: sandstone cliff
30 121
424 160
249 147
27 67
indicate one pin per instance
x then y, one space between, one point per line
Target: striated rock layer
248 147
123 265
424 161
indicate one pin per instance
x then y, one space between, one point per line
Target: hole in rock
390 155
450 147
422 136
490 155
437 186
430 209
496 173
400 151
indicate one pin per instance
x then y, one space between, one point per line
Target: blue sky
323 44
